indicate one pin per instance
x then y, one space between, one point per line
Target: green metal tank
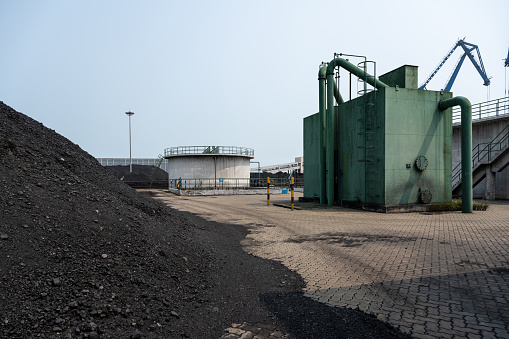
392 146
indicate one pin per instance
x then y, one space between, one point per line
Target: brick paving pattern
440 275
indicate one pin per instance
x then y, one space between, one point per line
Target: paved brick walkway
432 275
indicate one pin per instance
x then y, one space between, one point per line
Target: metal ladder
367 108
159 161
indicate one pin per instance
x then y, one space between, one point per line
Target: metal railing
277 182
484 152
136 161
195 150
231 183
484 110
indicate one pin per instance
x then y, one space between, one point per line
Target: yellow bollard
268 191
291 187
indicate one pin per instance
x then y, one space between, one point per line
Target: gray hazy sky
231 73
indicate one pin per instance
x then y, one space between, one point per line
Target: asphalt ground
432 275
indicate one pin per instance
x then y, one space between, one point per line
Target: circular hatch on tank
421 163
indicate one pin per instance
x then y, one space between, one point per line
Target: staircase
493 155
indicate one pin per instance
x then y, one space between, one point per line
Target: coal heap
139 173
84 255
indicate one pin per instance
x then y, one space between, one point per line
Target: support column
490 184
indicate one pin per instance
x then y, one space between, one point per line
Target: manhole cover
421 163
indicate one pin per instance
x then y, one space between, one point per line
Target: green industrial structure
390 146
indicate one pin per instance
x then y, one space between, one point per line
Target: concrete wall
205 167
483 131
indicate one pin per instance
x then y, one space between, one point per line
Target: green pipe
354 70
329 119
321 110
337 95
466 149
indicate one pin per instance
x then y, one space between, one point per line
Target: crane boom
468 48
423 86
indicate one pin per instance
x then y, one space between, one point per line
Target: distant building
297 165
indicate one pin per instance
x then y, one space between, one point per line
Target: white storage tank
208 167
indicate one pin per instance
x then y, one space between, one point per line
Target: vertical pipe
466 149
130 154
129 113
350 86
322 114
329 138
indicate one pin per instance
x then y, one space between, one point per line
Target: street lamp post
129 113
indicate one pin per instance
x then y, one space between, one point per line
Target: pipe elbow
332 65
354 70
463 102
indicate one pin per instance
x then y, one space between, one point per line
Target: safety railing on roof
195 150
484 152
484 110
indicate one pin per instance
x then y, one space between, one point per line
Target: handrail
484 150
485 110
195 150
490 147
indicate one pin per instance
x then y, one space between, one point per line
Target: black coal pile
83 255
139 173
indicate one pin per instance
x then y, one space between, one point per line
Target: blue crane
467 48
